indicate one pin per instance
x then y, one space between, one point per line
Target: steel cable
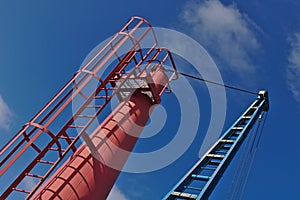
242 166
213 82
252 160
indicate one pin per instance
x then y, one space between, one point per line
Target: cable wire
247 166
242 167
241 175
252 160
213 82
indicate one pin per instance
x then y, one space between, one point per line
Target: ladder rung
112 88
215 156
86 116
213 162
93 106
56 149
65 137
101 97
222 152
200 177
246 117
34 175
21 190
254 107
184 195
227 141
75 126
46 162
208 168
239 128
192 188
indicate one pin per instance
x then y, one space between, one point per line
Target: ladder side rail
82 132
259 106
209 187
61 105
52 118
25 127
197 167
20 133
43 152
56 96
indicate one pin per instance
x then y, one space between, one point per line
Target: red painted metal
52 133
88 175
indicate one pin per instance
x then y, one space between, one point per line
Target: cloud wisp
5 115
293 68
226 32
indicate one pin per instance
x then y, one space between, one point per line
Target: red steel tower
48 153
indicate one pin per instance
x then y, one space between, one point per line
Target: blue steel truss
201 180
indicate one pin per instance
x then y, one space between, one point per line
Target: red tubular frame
45 118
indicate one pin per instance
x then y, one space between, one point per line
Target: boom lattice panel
200 181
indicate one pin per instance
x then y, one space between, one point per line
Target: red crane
48 151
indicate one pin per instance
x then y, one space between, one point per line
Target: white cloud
293 69
116 194
225 31
5 115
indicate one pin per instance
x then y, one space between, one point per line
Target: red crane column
122 68
86 174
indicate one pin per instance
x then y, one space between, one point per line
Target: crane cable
212 82
246 162
239 171
251 163
245 168
245 165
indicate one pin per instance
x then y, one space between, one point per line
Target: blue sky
255 44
